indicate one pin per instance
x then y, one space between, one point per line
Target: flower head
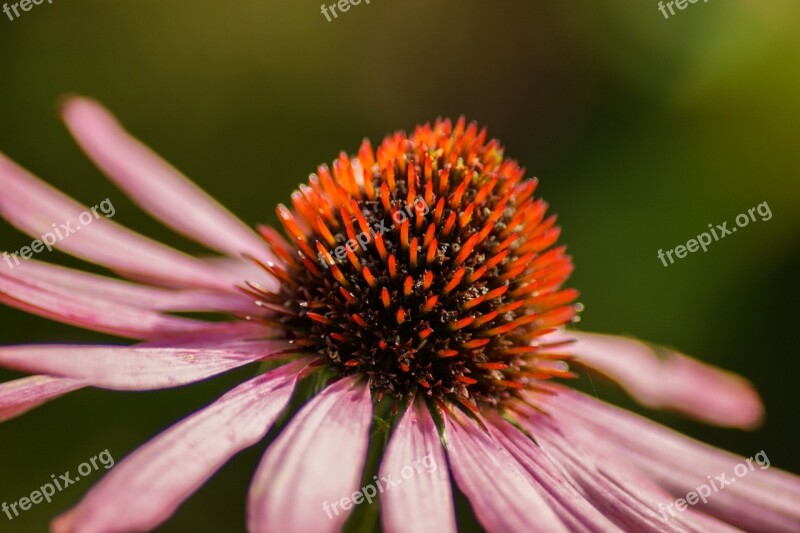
421 275
441 281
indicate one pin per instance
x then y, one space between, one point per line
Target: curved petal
110 317
502 494
135 368
669 379
148 486
762 498
415 446
575 510
21 395
59 279
154 184
34 207
633 506
315 462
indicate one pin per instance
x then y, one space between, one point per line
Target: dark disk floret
426 265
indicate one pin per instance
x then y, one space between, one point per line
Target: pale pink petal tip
32 206
156 185
21 395
670 380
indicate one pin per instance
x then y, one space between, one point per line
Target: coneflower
442 283
418 286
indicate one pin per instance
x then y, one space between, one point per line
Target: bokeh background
642 131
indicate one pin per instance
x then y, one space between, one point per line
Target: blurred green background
642 131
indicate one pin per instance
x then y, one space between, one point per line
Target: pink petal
670 380
60 279
135 368
503 495
575 510
33 207
109 317
761 499
21 395
245 270
709 523
154 184
631 502
148 486
317 459
415 447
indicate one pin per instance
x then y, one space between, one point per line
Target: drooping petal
574 509
66 280
58 279
502 493
634 506
110 317
154 184
21 395
316 461
34 208
415 448
135 368
762 498
148 486
670 380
